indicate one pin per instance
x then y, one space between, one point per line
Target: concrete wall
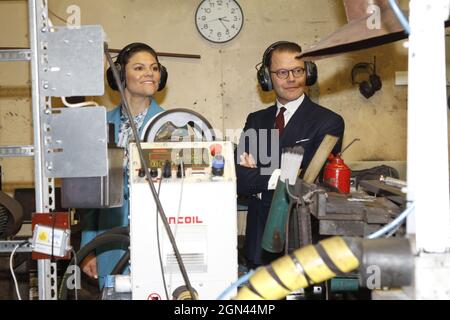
222 84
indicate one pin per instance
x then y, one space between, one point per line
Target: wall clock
219 20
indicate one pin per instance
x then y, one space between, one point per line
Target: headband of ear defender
123 56
263 73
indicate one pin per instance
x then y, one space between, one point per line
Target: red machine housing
337 174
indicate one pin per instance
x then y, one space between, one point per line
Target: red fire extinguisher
337 173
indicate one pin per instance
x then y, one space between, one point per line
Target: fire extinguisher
337 173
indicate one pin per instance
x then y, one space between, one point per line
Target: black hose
100 240
117 230
118 269
121 264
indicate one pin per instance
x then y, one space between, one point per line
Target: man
298 120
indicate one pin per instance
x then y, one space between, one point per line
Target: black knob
167 169
153 172
141 173
181 172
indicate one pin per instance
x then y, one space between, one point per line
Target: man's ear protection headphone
123 57
263 73
367 87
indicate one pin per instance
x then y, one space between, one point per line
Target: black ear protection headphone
263 73
367 87
120 65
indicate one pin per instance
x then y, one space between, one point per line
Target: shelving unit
41 106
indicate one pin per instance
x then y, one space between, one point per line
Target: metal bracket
71 62
76 143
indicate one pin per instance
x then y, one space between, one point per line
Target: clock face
219 20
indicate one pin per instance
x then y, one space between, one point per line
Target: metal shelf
15 55
8 246
16 151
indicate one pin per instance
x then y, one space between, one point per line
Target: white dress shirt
291 107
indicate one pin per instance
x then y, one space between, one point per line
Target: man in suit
293 120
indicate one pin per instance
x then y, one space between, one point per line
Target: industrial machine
197 189
202 173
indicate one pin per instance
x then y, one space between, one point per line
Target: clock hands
222 20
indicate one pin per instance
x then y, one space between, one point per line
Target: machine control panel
196 161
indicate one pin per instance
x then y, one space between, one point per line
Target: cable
286 230
239 282
76 271
400 16
12 271
181 195
118 268
392 224
178 211
289 192
147 173
292 202
77 105
57 16
159 246
307 197
180 200
125 230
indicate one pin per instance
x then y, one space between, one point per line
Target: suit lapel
295 128
268 121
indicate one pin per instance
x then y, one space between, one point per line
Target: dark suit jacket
310 121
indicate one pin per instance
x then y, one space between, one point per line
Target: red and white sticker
154 296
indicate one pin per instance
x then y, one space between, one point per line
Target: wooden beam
319 158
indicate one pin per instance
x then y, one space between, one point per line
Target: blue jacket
96 221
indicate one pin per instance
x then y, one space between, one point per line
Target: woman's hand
89 266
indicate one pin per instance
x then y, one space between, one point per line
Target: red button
215 149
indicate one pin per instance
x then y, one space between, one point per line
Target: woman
142 75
